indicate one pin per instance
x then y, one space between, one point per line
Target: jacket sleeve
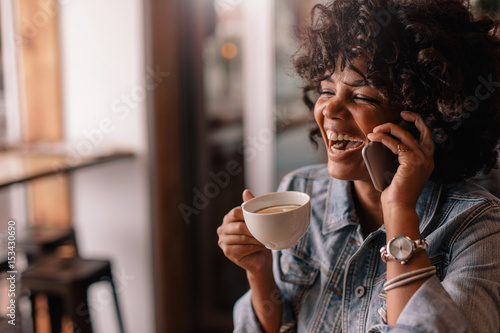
246 321
467 299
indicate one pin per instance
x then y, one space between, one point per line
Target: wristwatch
401 248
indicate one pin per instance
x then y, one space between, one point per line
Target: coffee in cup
276 209
278 220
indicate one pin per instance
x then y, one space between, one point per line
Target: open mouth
341 143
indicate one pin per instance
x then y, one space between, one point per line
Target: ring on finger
402 150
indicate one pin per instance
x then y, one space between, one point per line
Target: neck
368 206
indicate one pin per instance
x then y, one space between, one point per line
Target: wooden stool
69 279
36 241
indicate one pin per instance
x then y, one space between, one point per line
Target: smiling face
346 111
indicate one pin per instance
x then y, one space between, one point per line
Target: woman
375 63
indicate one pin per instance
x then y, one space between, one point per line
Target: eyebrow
357 83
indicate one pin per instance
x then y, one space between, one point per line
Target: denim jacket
332 280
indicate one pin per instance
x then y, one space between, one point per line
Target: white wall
259 106
12 198
103 74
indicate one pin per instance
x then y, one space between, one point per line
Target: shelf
23 164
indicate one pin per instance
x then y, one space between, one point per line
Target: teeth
337 146
332 136
340 150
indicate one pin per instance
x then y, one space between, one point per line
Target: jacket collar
340 211
427 204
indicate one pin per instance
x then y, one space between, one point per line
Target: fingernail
370 135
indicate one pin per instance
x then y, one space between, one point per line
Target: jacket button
360 291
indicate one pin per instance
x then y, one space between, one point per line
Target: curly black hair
432 57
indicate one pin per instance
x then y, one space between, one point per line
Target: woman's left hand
416 161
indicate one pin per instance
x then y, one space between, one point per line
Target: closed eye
367 99
326 92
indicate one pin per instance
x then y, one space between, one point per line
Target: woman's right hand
245 251
240 246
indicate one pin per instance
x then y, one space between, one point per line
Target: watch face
400 248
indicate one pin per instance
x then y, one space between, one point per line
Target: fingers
426 142
235 239
247 195
402 148
234 228
234 215
407 141
238 244
246 256
389 142
240 240
239 250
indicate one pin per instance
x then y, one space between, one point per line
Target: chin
340 172
347 172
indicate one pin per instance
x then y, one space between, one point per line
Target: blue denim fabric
332 280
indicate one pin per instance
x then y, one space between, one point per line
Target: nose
335 108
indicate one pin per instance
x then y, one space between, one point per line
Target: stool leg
118 313
55 312
32 298
79 311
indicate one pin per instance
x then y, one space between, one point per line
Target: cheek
371 120
318 114
379 117
368 127
319 117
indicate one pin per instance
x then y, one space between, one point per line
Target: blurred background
153 116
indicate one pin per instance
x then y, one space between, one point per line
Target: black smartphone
381 162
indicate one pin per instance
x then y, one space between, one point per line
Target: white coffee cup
281 230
